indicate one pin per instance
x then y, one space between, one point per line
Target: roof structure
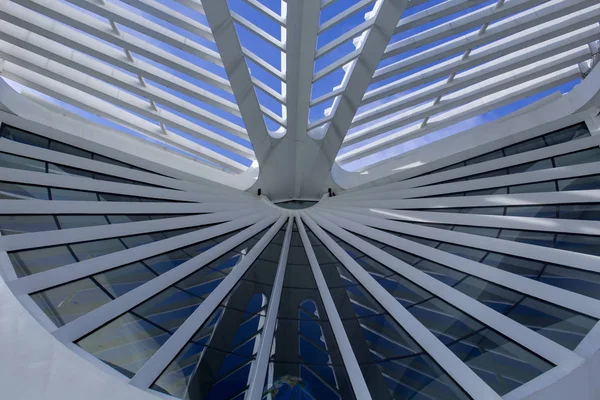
295 89
336 199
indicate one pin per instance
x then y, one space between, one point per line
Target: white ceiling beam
461 113
410 108
258 31
233 57
461 24
267 11
512 52
549 15
70 16
113 95
344 15
356 81
46 27
43 54
171 16
85 101
140 23
436 11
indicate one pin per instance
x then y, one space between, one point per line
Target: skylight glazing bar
171 16
141 24
169 350
436 11
351 34
259 32
267 11
342 16
463 23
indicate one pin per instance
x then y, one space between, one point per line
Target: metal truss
234 84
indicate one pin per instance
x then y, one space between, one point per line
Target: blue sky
272 55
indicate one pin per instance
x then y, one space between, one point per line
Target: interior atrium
299 200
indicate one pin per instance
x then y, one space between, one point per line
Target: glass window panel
21 136
485 157
531 237
121 280
69 171
579 243
463 251
117 197
27 262
477 230
532 166
112 161
532 211
16 162
583 183
483 210
590 212
580 157
138 240
14 224
484 192
67 194
67 149
78 221
125 343
87 250
36 192
416 377
520 266
558 324
502 364
567 134
523 147
65 303
491 174
533 187
583 282
122 219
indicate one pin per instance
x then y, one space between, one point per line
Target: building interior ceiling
302 200
294 88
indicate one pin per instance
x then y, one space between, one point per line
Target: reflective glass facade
191 312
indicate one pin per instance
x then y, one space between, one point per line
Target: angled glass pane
32 261
69 301
305 361
15 224
500 362
127 342
393 364
565 327
216 363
